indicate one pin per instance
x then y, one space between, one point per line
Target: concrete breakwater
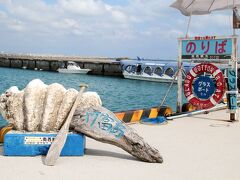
99 65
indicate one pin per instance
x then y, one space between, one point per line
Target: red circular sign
190 79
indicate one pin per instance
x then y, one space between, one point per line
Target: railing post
179 77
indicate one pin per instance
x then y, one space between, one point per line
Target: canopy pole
188 26
234 31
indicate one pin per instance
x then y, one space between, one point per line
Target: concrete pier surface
99 65
203 147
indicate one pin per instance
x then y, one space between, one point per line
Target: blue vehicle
153 70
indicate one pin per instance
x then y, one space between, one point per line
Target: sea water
117 93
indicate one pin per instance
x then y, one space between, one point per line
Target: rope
170 86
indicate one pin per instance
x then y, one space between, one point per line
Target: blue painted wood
232 86
29 144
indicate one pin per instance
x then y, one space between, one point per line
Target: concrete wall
112 70
44 65
81 64
54 65
25 63
31 64
98 68
5 62
15 63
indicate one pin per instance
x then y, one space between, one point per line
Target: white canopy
200 7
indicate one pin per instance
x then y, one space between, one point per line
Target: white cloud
93 26
16 25
88 8
67 16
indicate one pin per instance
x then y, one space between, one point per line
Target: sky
109 28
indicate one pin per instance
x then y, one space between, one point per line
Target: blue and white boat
153 70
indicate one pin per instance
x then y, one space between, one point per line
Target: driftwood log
102 125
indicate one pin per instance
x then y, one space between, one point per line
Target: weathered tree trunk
102 125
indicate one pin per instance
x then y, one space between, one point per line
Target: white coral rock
40 107
13 101
34 98
67 102
53 100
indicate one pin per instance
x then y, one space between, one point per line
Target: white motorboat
157 71
73 68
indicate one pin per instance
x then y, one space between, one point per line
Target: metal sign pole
179 77
232 82
232 75
236 73
236 70
233 95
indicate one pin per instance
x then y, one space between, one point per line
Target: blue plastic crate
34 144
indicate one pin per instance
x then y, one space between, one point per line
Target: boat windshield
133 69
71 63
169 71
148 70
158 71
130 68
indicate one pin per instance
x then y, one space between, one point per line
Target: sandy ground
205 147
